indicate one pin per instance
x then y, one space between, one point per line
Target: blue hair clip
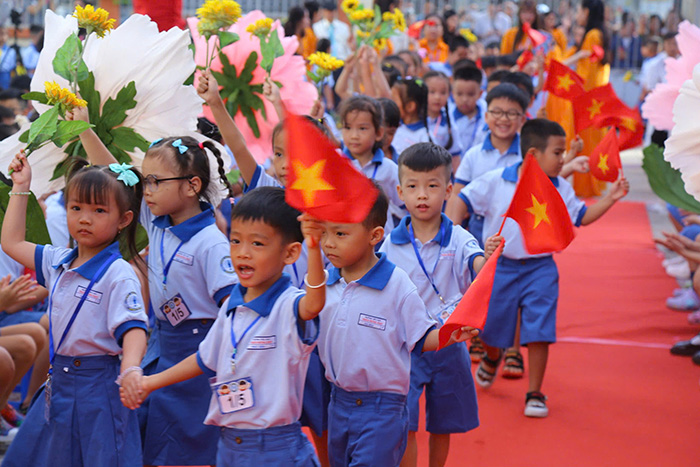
155 141
177 144
126 175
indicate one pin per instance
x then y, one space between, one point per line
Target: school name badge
235 395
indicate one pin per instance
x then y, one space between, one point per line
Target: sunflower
261 27
362 34
325 61
380 44
56 95
359 16
399 20
216 15
92 20
468 35
349 6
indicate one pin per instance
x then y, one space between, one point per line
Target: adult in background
515 38
336 31
297 22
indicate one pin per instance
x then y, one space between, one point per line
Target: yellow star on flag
564 82
309 180
594 109
539 210
629 123
603 164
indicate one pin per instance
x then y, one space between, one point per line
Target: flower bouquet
371 24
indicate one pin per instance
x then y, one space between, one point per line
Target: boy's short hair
536 132
498 76
323 45
463 63
377 215
457 42
468 74
493 45
669 35
392 114
509 60
391 73
424 157
511 92
267 204
522 81
398 63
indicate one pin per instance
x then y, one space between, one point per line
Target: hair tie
201 145
155 141
126 175
177 144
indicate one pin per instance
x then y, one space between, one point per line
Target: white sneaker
536 405
679 270
672 260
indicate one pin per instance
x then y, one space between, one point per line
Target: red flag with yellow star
540 211
605 159
473 308
596 106
562 81
629 123
320 181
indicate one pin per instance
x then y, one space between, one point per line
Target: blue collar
263 304
93 265
376 278
377 158
457 114
394 154
510 174
400 235
513 149
443 118
188 229
414 126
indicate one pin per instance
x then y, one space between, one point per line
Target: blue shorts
317 396
174 429
88 425
366 428
531 286
20 317
675 213
691 231
283 446
450 396
476 228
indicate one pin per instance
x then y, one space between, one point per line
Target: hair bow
155 141
179 146
126 175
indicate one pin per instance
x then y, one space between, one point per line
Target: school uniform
442 270
84 423
262 178
369 327
523 281
440 131
476 162
256 395
409 134
190 274
467 128
57 220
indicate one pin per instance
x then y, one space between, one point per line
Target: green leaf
377 16
666 181
69 130
35 96
271 49
68 59
24 137
190 79
127 139
36 231
61 168
119 154
43 128
114 110
227 38
91 96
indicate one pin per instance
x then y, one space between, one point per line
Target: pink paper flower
658 106
290 69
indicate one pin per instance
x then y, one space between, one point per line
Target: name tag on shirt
373 322
184 258
263 343
446 312
234 395
93 297
175 310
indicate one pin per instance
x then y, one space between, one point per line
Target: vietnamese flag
563 82
536 37
524 58
631 133
539 210
320 181
597 54
595 106
473 308
605 160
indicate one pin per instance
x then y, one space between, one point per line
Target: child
411 96
467 115
392 120
459 50
527 285
362 130
441 260
439 122
96 314
372 321
257 352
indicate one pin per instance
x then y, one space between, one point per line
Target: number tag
234 395
446 311
175 310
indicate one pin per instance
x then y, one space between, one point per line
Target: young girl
439 122
411 95
95 313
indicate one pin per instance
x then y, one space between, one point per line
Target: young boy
441 260
526 285
257 351
372 321
467 115
459 50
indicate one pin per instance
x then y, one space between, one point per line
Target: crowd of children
244 321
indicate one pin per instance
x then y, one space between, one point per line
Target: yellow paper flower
92 20
216 15
359 16
468 35
58 95
261 27
350 5
325 61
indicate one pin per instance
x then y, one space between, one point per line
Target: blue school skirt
175 433
88 425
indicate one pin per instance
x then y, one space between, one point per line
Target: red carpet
629 404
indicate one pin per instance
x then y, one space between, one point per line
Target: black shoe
686 348
696 358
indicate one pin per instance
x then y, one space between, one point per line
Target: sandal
476 350
513 367
536 405
484 377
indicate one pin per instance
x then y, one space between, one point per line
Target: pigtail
450 142
220 162
128 235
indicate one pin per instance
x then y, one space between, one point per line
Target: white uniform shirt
56 220
262 178
274 354
484 158
440 133
408 135
369 328
448 258
9 266
467 129
201 270
113 306
491 194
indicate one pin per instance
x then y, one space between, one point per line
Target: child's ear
292 252
448 191
126 220
380 134
376 235
195 183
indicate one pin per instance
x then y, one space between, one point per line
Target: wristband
309 286
20 193
131 369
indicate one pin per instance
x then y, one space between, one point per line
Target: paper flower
298 95
658 105
158 63
92 20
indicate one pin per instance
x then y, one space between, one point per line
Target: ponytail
220 162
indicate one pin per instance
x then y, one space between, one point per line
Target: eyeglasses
510 115
151 182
